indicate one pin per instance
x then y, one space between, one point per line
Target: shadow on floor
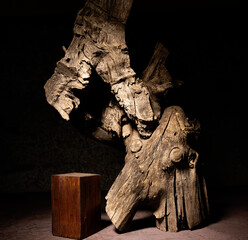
139 224
28 216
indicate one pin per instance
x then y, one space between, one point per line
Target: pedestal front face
76 204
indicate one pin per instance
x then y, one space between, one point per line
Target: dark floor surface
28 216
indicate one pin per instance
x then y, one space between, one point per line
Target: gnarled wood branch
162 165
161 172
99 43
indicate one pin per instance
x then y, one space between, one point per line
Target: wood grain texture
99 44
76 205
161 172
162 165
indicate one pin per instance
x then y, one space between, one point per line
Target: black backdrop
203 38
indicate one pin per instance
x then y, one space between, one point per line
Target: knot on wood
136 145
176 155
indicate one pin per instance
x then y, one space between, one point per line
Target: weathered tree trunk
162 166
163 173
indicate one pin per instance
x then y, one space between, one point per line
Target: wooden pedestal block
76 204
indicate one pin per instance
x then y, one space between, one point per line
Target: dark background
203 38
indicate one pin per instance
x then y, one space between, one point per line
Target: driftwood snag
162 173
162 166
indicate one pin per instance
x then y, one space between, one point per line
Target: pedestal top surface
76 174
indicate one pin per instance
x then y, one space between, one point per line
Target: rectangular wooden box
76 204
